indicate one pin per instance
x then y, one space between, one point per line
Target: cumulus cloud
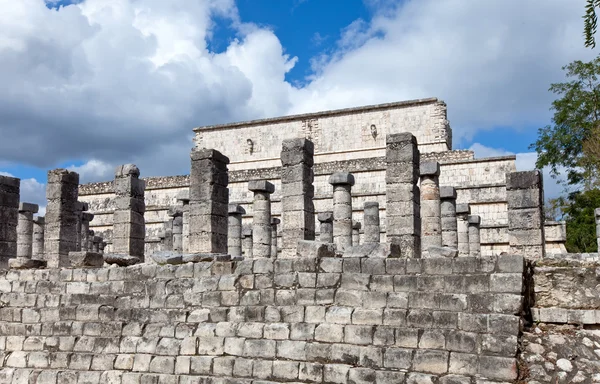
32 191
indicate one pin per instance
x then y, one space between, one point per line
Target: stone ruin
275 301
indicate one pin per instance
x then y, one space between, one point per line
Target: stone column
261 219
597 217
372 231
297 192
9 212
462 228
247 242
474 236
86 217
342 183
25 239
81 207
129 227
101 247
402 193
60 236
525 195
184 198
177 226
274 223
209 198
90 241
356 232
326 227
431 218
448 210
97 242
234 230
38 238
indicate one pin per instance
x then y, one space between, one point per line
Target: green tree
578 212
590 21
570 143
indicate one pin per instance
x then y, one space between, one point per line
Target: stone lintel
341 178
28 207
325 217
447 193
261 186
430 168
474 219
236 209
463 209
127 170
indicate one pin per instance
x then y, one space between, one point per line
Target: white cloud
93 170
31 191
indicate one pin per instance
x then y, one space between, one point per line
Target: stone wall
479 182
302 320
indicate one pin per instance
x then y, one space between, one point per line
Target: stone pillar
97 242
81 207
209 198
326 227
261 219
597 217
25 230
129 227
297 192
38 238
342 183
234 230
60 236
9 212
86 217
462 228
101 247
25 239
177 226
448 210
247 242
274 223
525 195
474 236
356 232
372 229
402 193
431 218
184 198
90 241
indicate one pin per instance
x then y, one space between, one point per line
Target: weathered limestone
97 241
9 212
297 192
234 230
342 183
274 223
25 239
60 235
402 193
261 220
448 212
372 227
356 225
525 196
474 236
184 198
431 218
326 227
247 242
129 227
38 238
597 217
177 214
209 198
462 228
81 207
86 217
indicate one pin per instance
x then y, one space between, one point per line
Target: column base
25 263
86 259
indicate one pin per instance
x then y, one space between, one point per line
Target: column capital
341 178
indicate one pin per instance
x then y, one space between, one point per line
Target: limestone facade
350 140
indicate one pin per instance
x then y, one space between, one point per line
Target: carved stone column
462 228
342 183
274 223
261 220
247 242
25 239
431 221
448 210
326 229
38 238
372 230
474 236
356 225
234 231
9 212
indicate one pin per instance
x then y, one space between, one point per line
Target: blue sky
105 82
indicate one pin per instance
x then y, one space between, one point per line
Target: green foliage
590 21
578 212
564 143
